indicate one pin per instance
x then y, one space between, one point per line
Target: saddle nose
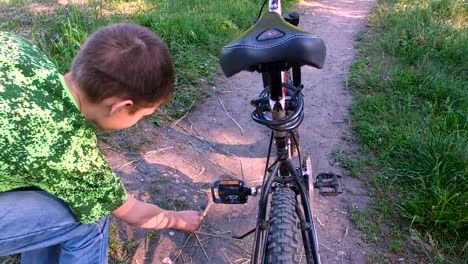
271 40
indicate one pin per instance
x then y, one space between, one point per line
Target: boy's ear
120 105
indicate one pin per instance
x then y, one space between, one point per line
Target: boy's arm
145 215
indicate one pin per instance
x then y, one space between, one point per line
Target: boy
56 189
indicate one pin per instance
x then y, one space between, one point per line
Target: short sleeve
45 141
83 178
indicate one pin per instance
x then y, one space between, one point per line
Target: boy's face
122 118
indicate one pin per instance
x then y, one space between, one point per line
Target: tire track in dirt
207 145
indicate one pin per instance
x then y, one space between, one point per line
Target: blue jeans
44 230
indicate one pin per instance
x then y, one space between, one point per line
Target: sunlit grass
412 112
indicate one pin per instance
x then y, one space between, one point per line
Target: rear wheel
283 246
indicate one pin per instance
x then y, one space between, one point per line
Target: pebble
167 261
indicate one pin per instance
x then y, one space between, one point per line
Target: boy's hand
188 221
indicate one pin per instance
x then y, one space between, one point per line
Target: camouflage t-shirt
44 140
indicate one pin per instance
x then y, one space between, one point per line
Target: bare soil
173 165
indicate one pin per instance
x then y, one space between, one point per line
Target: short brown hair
127 61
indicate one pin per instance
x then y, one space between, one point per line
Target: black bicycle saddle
271 40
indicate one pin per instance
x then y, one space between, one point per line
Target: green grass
354 165
411 113
195 31
365 222
120 251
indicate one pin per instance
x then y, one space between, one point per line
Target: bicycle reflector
231 192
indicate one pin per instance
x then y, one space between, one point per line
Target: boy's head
127 62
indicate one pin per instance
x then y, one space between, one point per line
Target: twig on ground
339 242
202 171
346 233
201 245
302 255
217 165
206 142
343 240
318 220
230 117
182 248
327 248
147 154
241 259
214 235
225 255
180 119
191 124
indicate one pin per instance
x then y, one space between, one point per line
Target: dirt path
207 145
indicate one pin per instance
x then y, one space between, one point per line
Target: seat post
278 113
275 85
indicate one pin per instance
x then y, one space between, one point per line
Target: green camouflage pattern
44 140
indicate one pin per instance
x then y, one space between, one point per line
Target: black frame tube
307 213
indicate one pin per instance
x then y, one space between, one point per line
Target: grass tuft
411 113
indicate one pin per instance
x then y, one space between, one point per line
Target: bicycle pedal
329 184
231 192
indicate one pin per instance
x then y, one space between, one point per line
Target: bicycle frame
283 172
279 107
275 6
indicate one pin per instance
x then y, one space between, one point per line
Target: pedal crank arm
244 235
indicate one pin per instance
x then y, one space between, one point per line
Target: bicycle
277 48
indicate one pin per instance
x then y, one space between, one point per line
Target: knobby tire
283 244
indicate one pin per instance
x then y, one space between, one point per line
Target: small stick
201 245
344 237
318 220
243 132
150 153
180 119
327 247
202 171
126 164
302 254
339 242
224 253
147 154
217 165
205 212
182 248
206 142
214 235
